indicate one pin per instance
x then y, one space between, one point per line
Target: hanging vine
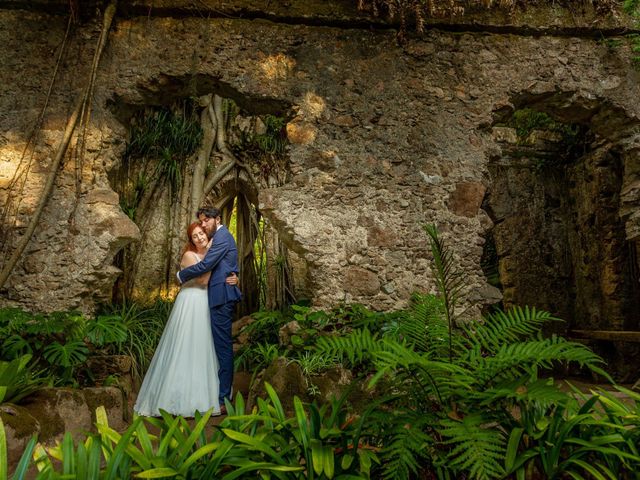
80 107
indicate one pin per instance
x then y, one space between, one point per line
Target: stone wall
385 136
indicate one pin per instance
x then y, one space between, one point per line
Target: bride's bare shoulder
189 258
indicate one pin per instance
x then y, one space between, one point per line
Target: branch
216 176
62 149
204 152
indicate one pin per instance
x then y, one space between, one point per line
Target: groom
221 260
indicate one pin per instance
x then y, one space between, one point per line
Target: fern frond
406 445
448 279
500 328
477 448
357 346
543 392
424 326
517 359
434 377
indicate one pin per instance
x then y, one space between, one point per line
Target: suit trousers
221 318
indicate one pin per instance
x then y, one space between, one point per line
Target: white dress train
183 374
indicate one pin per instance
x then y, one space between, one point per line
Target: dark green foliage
143 326
267 150
164 133
264 344
526 120
18 379
61 342
465 381
107 329
160 141
477 447
55 342
632 7
273 141
314 443
584 437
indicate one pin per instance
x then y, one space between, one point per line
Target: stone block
467 198
359 281
19 426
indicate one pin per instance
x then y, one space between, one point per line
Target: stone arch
236 192
566 211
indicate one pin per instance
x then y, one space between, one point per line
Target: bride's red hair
190 246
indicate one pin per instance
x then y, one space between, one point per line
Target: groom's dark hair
209 212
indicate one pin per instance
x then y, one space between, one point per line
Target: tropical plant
18 379
576 439
458 386
20 472
316 443
60 342
143 326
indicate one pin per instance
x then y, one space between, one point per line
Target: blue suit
221 260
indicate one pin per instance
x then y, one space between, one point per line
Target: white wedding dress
183 374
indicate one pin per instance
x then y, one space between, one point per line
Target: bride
183 374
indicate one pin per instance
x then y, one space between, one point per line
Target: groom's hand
232 279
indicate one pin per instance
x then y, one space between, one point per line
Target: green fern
407 447
420 376
478 448
448 278
424 325
357 347
501 328
543 392
516 359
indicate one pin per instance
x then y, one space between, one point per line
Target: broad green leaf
3 451
253 442
317 451
157 473
346 462
328 461
197 455
512 448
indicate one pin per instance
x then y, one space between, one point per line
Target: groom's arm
211 259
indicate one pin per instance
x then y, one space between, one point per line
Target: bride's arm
188 259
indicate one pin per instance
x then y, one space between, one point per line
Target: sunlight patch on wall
277 67
312 105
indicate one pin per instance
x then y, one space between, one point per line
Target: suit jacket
221 260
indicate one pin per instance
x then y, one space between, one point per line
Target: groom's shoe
223 410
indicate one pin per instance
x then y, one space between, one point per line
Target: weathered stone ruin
383 135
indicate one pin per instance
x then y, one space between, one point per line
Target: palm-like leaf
413 369
107 329
448 278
